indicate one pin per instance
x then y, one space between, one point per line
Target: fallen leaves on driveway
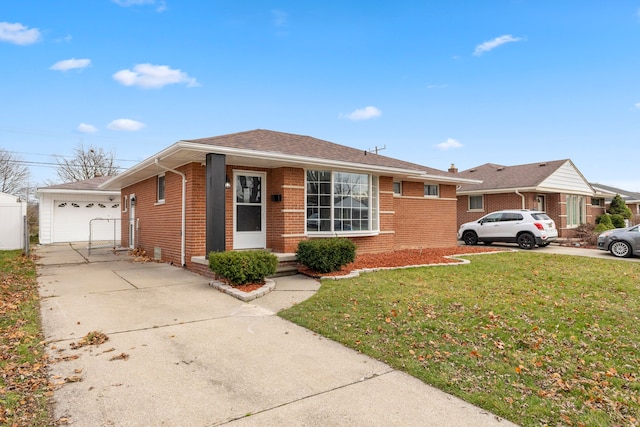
92 338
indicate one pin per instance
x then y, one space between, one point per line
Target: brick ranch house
556 187
269 190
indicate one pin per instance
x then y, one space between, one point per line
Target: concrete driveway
180 353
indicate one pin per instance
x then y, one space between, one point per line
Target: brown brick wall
410 221
423 222
556 208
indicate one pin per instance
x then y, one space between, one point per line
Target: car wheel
526 241
470 238
621 249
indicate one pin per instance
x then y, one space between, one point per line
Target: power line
61 155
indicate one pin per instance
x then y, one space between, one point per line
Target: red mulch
401 259
247 287
388 259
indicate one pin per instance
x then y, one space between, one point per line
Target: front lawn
539 339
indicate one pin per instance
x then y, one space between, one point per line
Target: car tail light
539 226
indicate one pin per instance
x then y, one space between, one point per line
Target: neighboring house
12 218
556 187
632 199
269 190
68 212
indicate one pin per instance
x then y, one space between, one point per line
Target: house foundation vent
157 253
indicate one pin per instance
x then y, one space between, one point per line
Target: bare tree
86 164
14 174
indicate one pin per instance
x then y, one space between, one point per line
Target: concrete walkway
180 353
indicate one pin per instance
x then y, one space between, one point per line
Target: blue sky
433 82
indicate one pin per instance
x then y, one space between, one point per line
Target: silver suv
527 228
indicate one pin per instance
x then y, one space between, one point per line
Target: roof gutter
183 239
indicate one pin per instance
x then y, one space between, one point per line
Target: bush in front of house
243 267
587 233
618 220
326 255
603 223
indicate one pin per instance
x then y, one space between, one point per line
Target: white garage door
71 221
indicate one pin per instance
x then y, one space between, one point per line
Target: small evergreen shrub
605 220
602 227
243 267
618 221
326 255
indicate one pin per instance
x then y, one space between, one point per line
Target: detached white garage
79 211
12 213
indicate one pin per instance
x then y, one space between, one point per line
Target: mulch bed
401 258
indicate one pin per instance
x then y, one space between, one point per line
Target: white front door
249 219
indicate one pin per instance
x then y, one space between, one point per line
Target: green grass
538 339
24 388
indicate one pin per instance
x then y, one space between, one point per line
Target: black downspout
215 206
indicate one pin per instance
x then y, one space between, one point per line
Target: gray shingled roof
496 177
269 149
629 196
306 146
92 184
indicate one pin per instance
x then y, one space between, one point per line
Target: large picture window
341 202
576 210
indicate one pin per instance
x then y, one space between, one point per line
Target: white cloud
162 5
365 113
637 105
18 33
70 64
126 124
151 76
86 128
492 44
448 144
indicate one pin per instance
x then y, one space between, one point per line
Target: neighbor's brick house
270 190
556 187
631 199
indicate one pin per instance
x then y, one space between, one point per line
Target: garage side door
71 221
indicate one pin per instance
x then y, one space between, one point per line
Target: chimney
453 169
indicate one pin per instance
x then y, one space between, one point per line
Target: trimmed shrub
605 220
326 255
243 267
618 220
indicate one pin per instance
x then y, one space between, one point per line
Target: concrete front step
287 264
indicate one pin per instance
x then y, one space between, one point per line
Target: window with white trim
576 210
341 201
431 190
397 188
476 203
161 189
125 203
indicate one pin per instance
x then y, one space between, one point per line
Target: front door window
249 229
